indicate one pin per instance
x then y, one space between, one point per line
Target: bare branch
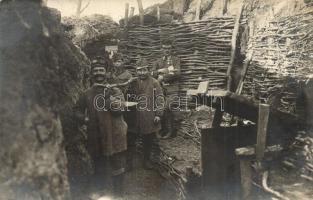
84 8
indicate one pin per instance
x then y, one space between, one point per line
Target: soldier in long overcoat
147 92
100 108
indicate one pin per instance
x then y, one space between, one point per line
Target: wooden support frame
246 162
233 47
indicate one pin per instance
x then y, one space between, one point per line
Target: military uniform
106 130
170 67
143 121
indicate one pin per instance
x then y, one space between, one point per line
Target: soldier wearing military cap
167 71
147 92
99 107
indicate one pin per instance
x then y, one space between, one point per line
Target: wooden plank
158 13
141 12
233 47
126 14
246 179
244 72
264 111
248 152
198 9
225 6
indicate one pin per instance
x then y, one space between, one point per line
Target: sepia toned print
156 99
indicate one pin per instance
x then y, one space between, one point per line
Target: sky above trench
113 8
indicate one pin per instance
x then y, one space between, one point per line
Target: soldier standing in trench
122 75
100 109
167 71
147 92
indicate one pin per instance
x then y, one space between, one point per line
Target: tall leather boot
147 148
169 123
118 185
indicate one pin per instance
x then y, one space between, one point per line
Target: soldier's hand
157 119
160 78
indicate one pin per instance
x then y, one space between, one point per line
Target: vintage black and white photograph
156 99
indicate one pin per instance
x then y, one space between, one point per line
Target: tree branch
84 8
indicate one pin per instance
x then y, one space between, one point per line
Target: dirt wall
41 73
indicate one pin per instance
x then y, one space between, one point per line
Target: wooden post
233 48
225 7
246 179
126 13
132 10
158 13
198 8
141 12
264 110
244 72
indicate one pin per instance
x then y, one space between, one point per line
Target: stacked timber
282 57
204 48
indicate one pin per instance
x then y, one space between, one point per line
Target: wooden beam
244 72
225 6
158 13
198 9
264 111
248 152
141 12
247 108
132 10
126 13
246 179
233 47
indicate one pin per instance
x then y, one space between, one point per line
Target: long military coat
149 96
106 129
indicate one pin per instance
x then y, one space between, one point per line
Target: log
126 14
198 9
141 12
158 13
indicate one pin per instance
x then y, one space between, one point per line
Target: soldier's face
118 64
167 49
143 73
98 74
